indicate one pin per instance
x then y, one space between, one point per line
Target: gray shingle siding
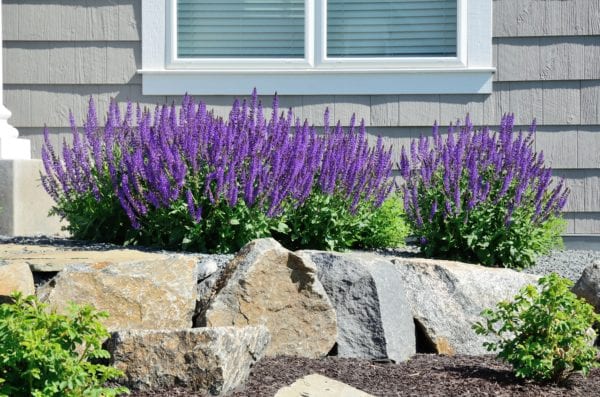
547 54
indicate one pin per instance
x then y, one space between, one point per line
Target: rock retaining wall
203 320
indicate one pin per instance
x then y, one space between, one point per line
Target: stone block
157 294
214 360
319 385
265 284
24 202
448 297
588 285
373 314
15 277
47 258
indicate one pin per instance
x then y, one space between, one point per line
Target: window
391 28
240 29
316 46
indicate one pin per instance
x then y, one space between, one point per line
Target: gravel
567 263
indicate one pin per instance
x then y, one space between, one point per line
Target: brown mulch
423 375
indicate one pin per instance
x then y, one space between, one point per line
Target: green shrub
482 197
545 335
325 222
386 226
44 354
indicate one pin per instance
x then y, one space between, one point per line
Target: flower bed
187 180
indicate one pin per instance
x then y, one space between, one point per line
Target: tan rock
42 258
215 360
447 298
15 277
158 294
265 284
319 385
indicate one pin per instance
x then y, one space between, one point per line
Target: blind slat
240 28
394 28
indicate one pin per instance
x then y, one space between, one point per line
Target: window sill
318 81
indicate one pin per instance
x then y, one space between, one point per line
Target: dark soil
423 375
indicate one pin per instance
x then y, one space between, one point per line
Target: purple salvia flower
508 178
448 208
195 212
433 210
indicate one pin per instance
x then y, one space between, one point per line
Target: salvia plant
482 196
186 179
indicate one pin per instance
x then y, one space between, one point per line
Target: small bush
188 180
482 197
386 226
545 336
39 351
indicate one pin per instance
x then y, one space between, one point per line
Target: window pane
391 28
240 29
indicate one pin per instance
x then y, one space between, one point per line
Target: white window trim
469 72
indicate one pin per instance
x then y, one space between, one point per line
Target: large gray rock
588 285
214 360
448 297
265 284
373 314
155 294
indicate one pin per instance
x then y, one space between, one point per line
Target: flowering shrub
546 335
189 180
482 197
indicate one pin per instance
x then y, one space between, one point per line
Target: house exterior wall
547 52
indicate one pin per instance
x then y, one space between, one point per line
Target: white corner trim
154 38
470 72
12 148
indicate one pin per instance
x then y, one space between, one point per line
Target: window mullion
320 31
311 33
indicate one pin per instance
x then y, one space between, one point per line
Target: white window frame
469 72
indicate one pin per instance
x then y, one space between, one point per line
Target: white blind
240 28
360 28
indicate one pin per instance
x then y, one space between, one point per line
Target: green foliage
481 236
545 335
325 222
222 229
44 354
322 222
92 220
386 226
